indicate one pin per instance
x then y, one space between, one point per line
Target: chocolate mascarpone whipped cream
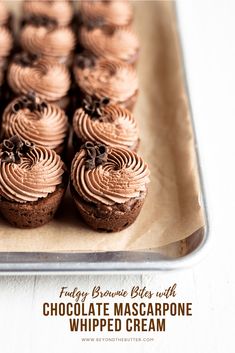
115 13
35 120
101 78
121 44
61 10
108 175
56 43
6 42
27 172
105 123
49 80
4 14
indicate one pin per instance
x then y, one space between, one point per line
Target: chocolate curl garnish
13 149
85 60
97 154
29 101
94 107
25 59
42 21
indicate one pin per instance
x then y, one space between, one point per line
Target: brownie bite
45 39
45 124
32 183
49 80
103 78
117 44
105 123
108 185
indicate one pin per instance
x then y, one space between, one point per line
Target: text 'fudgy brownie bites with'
32 183
31 118
109 186
109 124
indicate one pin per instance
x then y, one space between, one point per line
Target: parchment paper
172 209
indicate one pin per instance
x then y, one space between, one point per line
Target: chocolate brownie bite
111 14
45 39
118 44
32 183
109 186
49 80
100 78
105 123
45 124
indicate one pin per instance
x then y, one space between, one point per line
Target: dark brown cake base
105 218
32 214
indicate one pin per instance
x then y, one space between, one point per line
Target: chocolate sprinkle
13 149
94 107
29 101
97 154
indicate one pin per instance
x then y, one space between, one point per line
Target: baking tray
180 254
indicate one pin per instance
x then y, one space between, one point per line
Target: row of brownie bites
70 78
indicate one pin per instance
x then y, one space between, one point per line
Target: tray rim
122 265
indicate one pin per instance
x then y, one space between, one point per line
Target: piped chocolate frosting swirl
36 120
49 80
122 175
106 78
120 44
51 42
106 123
33 173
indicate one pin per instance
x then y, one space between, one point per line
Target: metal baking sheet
176 255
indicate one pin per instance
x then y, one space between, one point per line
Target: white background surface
208 30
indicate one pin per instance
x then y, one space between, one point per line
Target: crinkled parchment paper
172 209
